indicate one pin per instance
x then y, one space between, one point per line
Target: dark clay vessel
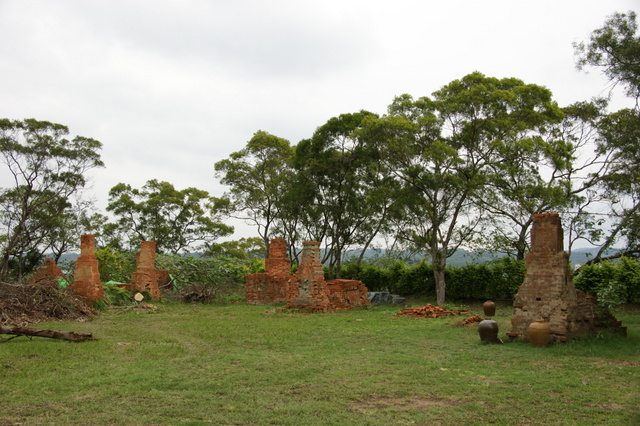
488 330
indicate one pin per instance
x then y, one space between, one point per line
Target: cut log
52 334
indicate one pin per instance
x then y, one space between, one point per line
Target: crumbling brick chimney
307 287
145 278
547 293
86 278
270 286
49 271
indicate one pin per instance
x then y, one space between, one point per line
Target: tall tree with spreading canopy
258 177
177 220
548 165
46 169
344 192
446 149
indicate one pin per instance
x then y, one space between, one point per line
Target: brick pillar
278 269
86 278
145 278
307 287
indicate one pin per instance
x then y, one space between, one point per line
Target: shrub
498 279
611 280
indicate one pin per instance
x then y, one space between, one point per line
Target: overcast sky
171 87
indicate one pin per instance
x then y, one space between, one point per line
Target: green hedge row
612 282
496 280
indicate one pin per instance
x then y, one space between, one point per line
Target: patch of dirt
24 304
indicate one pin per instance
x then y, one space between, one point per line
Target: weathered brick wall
347 294
47 272
145 278
547 293
307 288
270 286
86 278
257 289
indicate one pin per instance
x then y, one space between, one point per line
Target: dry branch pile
430 311
22 304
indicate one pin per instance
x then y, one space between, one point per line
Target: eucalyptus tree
342 186
45 169
177 220
447 152
548 165
615 49
259 176
620 139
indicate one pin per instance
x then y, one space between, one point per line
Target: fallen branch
52 334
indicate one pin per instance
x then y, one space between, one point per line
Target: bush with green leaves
115 265
613 282
218 275
498 279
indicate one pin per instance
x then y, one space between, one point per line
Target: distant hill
464 257
460 258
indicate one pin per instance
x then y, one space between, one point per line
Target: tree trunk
438 273
34 332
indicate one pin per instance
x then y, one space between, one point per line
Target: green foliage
258 177
498 279
47 171
175 219
615 49
117 296
244 248
613 282
208 276
343 186
114 265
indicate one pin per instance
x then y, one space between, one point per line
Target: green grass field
251 365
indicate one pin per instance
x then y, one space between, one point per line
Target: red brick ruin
307 288
86 278
47 272
547 293
145 278
271 285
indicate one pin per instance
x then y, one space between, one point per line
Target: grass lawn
250 365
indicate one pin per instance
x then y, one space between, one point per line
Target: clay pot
539 333
489 308
488 330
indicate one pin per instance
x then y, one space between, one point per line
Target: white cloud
170 87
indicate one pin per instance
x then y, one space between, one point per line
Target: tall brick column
86 278
145 278
278 269
307 287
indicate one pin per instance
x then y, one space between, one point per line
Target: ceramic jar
539 333
489 308
488 330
